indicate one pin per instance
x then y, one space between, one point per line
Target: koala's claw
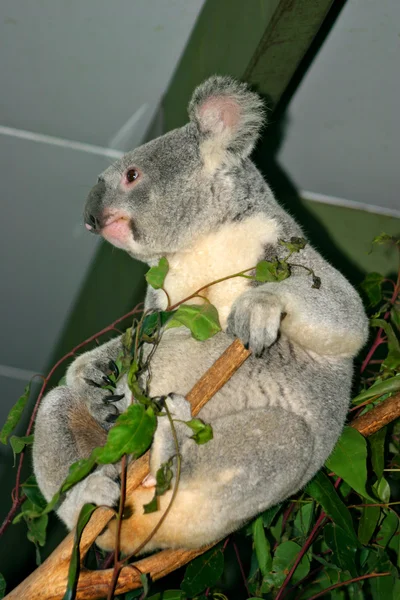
108 381
113 398
113 368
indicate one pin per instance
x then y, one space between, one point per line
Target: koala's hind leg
65 432
255 460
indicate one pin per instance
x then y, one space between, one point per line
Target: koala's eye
132 175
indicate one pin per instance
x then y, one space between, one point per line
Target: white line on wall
125 131
16 373
324 199
61 142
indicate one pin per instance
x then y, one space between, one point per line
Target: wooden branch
378 417
49 581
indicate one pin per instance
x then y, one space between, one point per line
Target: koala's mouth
119 230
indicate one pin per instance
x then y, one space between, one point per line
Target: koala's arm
329 321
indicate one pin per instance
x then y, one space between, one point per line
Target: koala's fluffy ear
228 118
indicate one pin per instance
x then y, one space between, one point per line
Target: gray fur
277 420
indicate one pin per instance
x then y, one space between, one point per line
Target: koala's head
158 198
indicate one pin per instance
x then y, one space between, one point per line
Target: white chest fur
233 248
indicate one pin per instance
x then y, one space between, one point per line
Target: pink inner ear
219 113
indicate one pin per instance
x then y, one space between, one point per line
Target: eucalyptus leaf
376 442
368 523
323 491
303 519
202 432
262 547
14 415
18 443
204 571
390 385
284 558
272 271
349 460
343 547
32 491
295 244
382 490
37 529
372 286
74 565
389 526
202 320
132 434
156 275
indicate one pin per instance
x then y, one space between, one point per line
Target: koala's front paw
255 318
163 447
88 376
100 488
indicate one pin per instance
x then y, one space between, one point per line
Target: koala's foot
255 318
100 488
88 375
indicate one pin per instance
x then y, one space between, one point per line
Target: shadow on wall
287 195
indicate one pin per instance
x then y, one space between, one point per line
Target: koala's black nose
94 207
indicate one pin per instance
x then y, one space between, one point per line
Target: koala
194 196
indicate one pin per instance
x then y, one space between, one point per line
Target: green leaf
31 489
203 432
202 320
395 317
376 442
349 460
388 528
154 321
62 381
77 471
168 595
204 571
284 558
37 529
19 443
378 389
156 275
269 515
15 415
73 571
262 547
272 271
393 342
323 491
295 244
303 518
342 546
384 238
372 286
2 586
164 477
368 523
382 490
132 434
381 587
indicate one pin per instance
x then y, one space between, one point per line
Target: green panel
114 285
284 44
352 231
225 37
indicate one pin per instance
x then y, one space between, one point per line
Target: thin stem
348 582
16 495
174 491
204 287
241 568
117 564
